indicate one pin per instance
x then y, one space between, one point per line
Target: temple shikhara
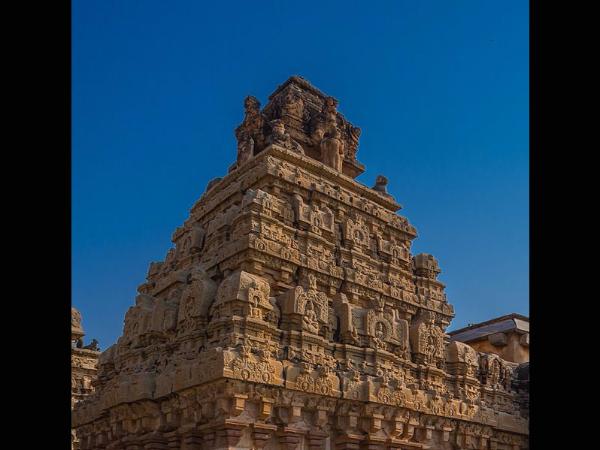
290 314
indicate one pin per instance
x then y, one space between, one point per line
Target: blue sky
439 88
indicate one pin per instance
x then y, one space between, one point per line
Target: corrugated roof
501 324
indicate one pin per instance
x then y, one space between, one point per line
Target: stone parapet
291 314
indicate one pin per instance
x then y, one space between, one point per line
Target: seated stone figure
310 319
279 136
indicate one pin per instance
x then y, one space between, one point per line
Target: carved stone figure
294 105
280 137
427 339
330 111
252 118
196 298
379 330
311 322
245 148
319 131
332 150
250 134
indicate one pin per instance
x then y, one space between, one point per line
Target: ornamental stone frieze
291 314
84 361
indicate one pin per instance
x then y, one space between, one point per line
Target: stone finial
381 183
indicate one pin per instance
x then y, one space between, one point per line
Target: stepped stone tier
290 314
84 360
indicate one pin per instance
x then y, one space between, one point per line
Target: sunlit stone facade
291 314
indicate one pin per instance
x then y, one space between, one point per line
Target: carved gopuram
290 314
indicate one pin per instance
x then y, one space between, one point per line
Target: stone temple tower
291 314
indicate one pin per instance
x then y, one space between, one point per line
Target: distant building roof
510 322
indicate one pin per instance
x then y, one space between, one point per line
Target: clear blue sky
439 88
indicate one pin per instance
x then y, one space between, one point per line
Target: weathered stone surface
84 360
291 314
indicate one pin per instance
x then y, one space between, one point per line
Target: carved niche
356 233
312 217
196 298
242 294
306 309
348 331
396 254
137 321
386 330
427 340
